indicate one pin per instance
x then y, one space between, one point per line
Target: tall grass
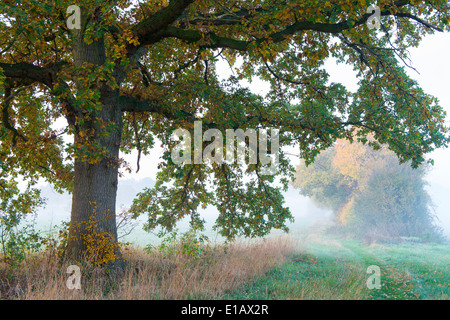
149 275
308 277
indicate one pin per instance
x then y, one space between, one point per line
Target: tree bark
95 188
93 216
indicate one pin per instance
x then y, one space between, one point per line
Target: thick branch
159 20
148 35
215 41
26 73
192 36
132 104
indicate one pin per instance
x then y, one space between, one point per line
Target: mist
304 211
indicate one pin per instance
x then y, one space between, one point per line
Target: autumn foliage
372 195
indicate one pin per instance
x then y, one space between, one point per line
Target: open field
307 265
329 268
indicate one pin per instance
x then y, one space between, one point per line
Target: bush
17 242
190 243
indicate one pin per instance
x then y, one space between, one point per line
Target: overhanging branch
161 19
152 34
26 73
132 104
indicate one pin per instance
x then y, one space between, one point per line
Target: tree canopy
135 71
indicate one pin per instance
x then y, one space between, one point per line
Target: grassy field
328 268
309 265
177 271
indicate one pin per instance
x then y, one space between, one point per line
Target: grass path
395 283
335 269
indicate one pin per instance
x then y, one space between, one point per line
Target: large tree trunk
93 217
93 230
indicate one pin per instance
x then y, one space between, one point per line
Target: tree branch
426 24
27 74
132 104
148 35
161 19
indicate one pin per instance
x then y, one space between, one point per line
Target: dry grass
150 275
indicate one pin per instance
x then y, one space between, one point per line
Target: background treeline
373 197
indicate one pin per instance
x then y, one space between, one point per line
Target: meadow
308 265
337 269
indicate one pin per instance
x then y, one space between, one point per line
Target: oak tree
134 71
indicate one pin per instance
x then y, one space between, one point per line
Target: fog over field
304 211
58 206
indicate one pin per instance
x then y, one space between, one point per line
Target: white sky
431 59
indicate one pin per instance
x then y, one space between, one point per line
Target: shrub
17 242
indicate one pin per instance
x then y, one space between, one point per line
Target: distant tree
370 192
